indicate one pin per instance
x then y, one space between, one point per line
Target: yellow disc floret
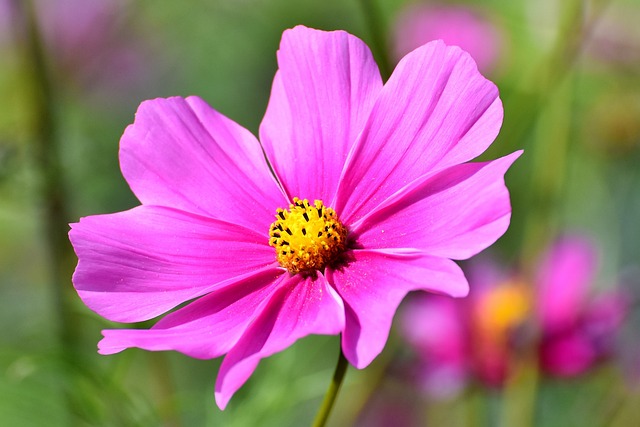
307 237
501 309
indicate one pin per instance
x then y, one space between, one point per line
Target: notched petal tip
138 264
304 31
435 111
180 152
107 345
322 94
373 288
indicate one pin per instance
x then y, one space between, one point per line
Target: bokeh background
72 74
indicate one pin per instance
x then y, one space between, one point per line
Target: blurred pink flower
432 326
577 331
90 44
390 161
475 337
614 40
455 25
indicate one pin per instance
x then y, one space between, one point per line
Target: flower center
503 308
307 237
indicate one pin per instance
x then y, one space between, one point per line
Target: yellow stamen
307 237
502 309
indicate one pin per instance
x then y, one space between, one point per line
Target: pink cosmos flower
476 337
455 25
577 331
386 200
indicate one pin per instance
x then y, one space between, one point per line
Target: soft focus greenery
570 81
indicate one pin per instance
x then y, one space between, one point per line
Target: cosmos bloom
370 198
578 330
476 336
457 340
455 25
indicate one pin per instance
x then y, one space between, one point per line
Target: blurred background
549 334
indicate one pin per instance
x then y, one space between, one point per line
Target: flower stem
46 158
332 391
378 37
520 392
526 105
53 200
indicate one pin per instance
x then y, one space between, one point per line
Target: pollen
307 236
503 308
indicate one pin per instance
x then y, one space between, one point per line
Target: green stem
519 395
525 106
377 34
161 370
332 391
46 157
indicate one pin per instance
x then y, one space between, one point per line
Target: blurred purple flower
577 331
433 327
614 40
391 160
456 340
455 25
90 44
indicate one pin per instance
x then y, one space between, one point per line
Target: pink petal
567 355
590 339
563 281
484 273
435 111
441 379
137 264
434 326
454 214
322 94
207 327
372 286
301 306
182 153
461 26
604 315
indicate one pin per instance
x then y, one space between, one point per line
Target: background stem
46 158
377 34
